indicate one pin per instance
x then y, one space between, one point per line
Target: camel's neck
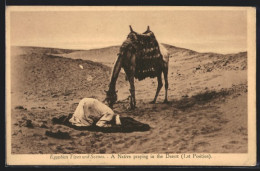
115 73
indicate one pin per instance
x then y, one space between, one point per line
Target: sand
207 109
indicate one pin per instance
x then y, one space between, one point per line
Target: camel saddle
147 51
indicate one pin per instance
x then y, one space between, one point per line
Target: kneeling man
91 110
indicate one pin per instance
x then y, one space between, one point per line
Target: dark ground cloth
148 56
127 125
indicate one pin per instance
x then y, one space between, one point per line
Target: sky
222 31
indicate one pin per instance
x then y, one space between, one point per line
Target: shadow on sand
198 99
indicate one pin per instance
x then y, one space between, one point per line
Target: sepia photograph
130 85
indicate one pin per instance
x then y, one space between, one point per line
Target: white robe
90 109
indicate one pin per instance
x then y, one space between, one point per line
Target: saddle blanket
149 54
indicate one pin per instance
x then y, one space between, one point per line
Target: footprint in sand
182 148
201 145
58 148
233 142
119 142
109 145
102 151
176 142
228 146
81 134
70 148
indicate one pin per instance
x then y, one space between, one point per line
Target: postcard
131 85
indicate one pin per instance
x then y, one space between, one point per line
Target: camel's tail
164 52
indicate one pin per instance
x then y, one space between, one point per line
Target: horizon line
109 46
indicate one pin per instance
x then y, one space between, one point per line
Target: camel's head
111 98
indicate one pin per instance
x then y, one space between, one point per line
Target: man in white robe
90 110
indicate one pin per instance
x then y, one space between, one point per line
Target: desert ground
207 109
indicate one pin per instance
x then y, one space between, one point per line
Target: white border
245 159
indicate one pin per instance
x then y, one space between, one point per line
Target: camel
128 59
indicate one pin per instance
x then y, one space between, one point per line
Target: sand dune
207 111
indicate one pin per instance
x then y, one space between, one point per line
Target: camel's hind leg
132 92
160 84
165 74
